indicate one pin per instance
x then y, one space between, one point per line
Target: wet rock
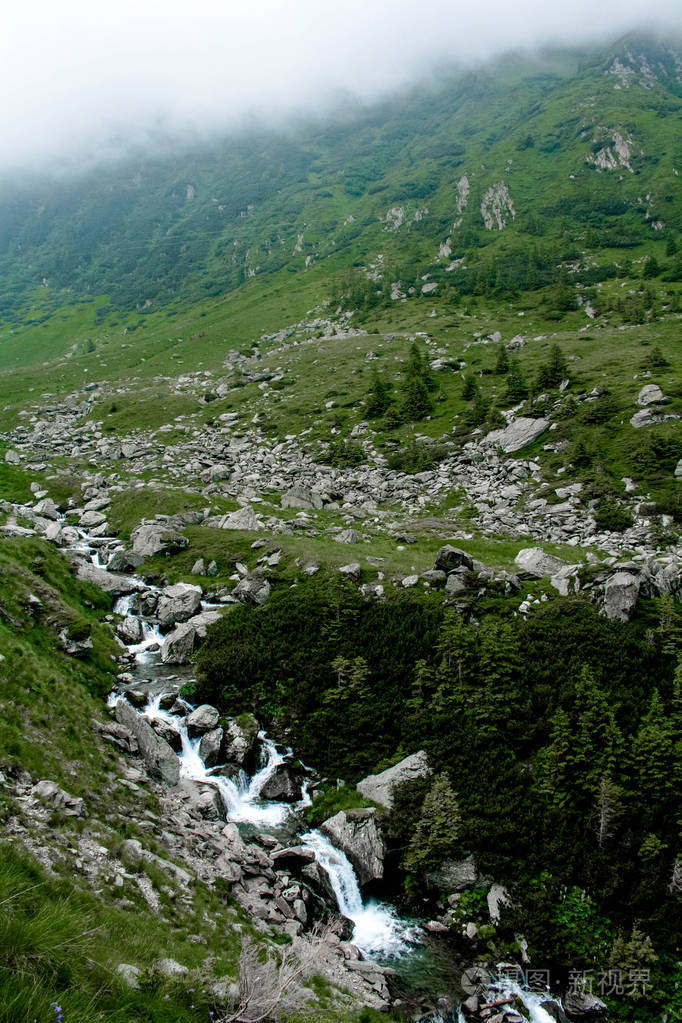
156 538
449 558
168 733
160 759
241 738
210 747
357 834
124 561
379 787
178 603
130 630
204 719
284 786
50 793
620 596
92 519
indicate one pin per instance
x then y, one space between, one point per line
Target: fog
81 80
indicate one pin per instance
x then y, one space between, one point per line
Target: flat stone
518 434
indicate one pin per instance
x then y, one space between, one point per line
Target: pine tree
502 361
438 828
417 382
517 389
379 398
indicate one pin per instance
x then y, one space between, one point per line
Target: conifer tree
438 828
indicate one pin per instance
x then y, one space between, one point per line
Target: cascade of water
151 636
241 798
377 928
531 1000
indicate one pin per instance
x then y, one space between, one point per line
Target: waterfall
531 1000
378 929
240 798
151 636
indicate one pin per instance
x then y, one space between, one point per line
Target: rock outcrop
160 759
357 834
379 787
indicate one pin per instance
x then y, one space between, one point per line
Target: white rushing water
241 798
378 929
531 1000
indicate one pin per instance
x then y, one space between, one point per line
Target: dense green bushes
557 734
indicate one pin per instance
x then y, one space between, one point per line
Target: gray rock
241 737
379 787
518 434
49 792
199 567
449 558
455 584
284 786
160 759
12 457
168 733
130 630
91 519
650 417
455 875
357 834
118 585
651 394
409 581
301 497
180 644
580 1005
348 536
47 509
130 975
254 590
620 596
245 518
210 746
497 898
212 569
156 538
536 562
204 719
124 561
178 603
434 577
169 968
678 470
74 646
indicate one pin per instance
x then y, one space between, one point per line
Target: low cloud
80 80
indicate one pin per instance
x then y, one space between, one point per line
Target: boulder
49 792
241 737
650 417
245 518
155 751
435 577
204 719
284 786
157 538
455 875
254 590
199 567
118 585
620 596
536 562
301 497
74 646
210 746
12 457
167 732
580 1005
124 561
449 558
379 787
91 519
518 434
180 644
178 603
47 509
651 394
130 630
357 834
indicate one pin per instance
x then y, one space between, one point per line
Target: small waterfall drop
378 929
